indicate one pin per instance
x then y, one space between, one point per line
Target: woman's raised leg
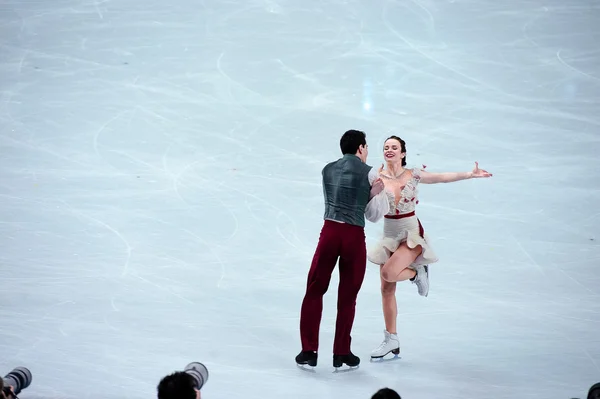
396 268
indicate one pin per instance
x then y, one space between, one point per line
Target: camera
198 372
18 379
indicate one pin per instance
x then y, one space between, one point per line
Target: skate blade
386 358
306 367
345 369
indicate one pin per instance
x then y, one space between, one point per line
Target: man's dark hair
351 140
178 385
386 393
594 392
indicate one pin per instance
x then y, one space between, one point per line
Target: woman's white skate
390 344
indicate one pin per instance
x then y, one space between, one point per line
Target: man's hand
377 187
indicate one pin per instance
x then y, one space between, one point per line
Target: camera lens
19 379
199 372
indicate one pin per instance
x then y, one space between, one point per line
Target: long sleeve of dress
379 205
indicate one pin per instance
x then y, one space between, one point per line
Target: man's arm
378 204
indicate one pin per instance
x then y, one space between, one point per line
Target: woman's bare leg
396 268
388 297
390 314
390 307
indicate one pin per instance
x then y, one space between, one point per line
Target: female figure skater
404 252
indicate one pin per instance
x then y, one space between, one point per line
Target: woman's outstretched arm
449 177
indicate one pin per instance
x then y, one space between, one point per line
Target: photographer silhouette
184 384
594 392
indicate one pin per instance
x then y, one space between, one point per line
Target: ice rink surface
161 201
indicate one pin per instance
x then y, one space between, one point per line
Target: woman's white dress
400 224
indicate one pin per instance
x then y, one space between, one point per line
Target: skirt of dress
397 231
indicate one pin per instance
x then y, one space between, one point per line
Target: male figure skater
348 186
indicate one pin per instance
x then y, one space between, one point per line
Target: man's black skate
349 359
307 358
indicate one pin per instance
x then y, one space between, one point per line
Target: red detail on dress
398 216
421 229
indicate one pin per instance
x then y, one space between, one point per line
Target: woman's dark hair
402 147
351 140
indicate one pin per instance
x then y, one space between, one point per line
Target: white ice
161 200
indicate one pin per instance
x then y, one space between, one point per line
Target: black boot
350 359
307 357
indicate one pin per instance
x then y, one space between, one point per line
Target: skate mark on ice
390 27
137 160
20 143
59 57
161 288
213 252
101 129
585 351
591 359
111 229
527 24
296 74
306 369
97 8
234 82
176 183
527 254
109 325
430 21
209 248
563 62
112 304
576 282
270 204
280 179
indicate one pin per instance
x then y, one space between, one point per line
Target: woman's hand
478 173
